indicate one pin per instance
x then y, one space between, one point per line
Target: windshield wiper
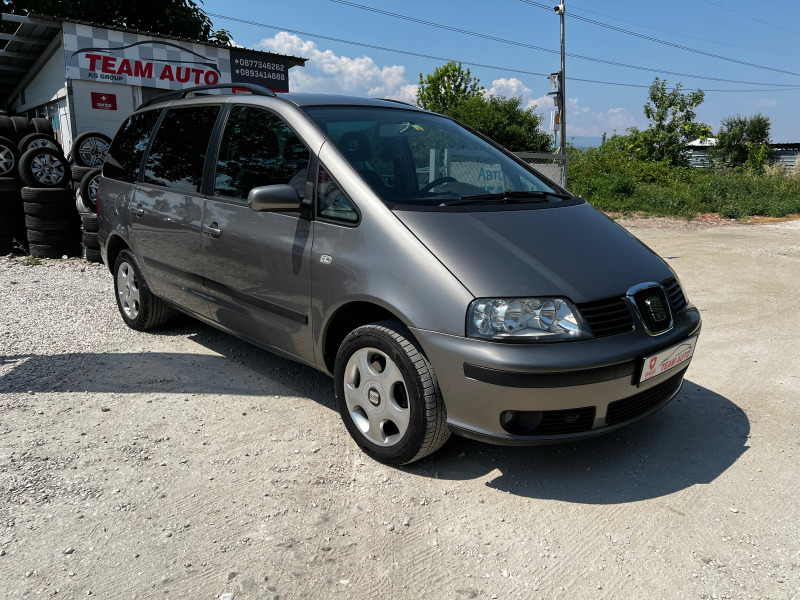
507 197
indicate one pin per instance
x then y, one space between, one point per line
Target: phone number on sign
260 65
261 74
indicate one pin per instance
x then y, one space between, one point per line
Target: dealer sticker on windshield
668 359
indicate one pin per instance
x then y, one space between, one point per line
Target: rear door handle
138 210
212 230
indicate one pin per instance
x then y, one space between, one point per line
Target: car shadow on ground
693 440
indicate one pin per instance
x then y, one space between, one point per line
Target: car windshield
419 159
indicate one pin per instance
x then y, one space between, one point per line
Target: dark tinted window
127 149
179 149
258 148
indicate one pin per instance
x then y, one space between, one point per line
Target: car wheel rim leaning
7 161
47 169
128 291
93 151
376 397
93 185
41 144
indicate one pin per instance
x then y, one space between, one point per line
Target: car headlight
525 319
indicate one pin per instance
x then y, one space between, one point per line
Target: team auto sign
104 55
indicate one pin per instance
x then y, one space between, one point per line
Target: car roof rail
256 90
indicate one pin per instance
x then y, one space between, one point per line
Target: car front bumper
578 389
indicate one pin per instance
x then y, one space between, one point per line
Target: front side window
127 150
258 148
178 152
411 158
332 202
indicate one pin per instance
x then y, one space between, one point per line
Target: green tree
447 88
180 18
742 141
672 124
506 122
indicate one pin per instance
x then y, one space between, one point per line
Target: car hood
573 251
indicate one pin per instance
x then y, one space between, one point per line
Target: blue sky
764 34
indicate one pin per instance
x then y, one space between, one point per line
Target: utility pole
561 10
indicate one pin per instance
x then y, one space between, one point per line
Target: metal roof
35 33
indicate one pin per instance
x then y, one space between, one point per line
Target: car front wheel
387 394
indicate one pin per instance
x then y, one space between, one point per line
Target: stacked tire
86 203
12 226
48 201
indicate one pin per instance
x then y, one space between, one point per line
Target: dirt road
189 464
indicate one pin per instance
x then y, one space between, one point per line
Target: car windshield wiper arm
507 197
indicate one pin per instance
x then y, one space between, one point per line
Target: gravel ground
188 464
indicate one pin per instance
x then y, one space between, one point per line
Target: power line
659 41
548 50
746 16
471 64
684 35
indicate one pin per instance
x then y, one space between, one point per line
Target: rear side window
259 148
179 149
127 150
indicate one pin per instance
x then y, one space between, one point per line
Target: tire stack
51 218
10 204
88 153
86 202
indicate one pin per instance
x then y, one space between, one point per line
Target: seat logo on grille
657 309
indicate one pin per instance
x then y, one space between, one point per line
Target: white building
89 77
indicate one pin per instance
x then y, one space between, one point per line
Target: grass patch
612 182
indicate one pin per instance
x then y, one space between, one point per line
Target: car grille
607 317
559 422
629 408
676 298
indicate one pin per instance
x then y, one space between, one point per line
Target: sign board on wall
104 55
102 101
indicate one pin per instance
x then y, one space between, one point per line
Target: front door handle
212 230
138 210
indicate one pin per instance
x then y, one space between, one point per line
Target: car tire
47 195
44 168
54 237
7 127
140 308
90 149
89 185
9 186
22 127
90 222
388 395
38 140
92 256
50 222
51 250
42 125
89 240
78 173
9 158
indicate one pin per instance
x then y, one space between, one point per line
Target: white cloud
583 121
509 88
326 72
763 103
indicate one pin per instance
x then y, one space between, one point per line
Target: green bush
614 182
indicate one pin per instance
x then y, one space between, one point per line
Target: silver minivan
444 284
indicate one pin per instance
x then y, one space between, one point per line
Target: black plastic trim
515 379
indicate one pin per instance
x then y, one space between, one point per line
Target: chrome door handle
212 231
138 210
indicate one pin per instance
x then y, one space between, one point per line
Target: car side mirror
273 198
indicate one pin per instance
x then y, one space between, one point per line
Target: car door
167 209
256 264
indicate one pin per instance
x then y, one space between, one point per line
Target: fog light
521 422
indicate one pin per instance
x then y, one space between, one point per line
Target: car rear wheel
387 394
140 309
